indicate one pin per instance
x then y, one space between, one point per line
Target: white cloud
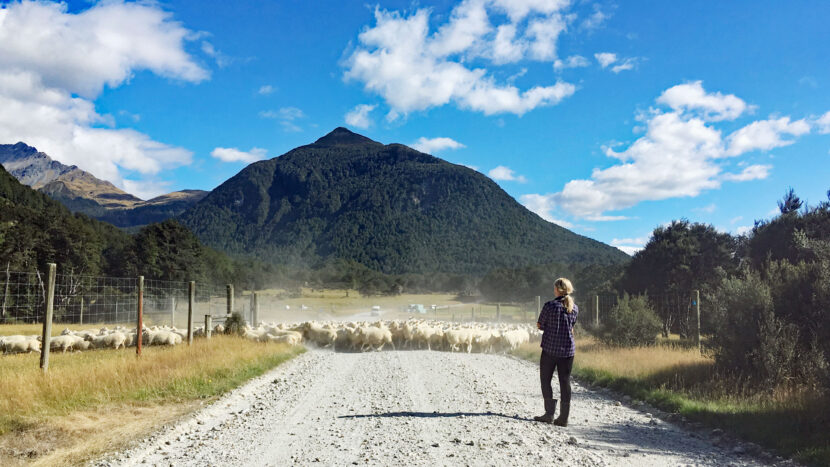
146 189
432 145
691 97
629 250
221 59
595 20
605 58
574 61
627 64
743 230
503 173
752 172
359 116
266 89
765 135
542 206
680 155
414 69
630 246
286 116
823 123
103 45
53 64
235 155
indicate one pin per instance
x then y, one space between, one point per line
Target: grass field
91 402
677 379
342 303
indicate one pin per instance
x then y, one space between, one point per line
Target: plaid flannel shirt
557 326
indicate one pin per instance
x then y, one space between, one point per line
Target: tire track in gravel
415 408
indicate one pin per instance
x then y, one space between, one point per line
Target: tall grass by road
44 418
794 422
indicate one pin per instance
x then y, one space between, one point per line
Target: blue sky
607 118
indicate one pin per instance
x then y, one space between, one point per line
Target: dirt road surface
417 408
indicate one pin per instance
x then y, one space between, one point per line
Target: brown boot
550 410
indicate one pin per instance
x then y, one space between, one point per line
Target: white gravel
420 408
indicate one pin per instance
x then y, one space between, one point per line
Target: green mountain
388 207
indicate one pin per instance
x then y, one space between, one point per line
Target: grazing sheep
161 337
113 340
19 344
65 342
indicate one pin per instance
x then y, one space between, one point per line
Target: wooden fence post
696 305
596 310
229 299
498 312
473 314
191 297
254 309
45 339
208 326
538 307
173 311
82 310
139 330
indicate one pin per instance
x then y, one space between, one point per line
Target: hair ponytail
566 288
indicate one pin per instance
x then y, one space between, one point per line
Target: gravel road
419 408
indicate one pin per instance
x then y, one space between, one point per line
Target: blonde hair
565 287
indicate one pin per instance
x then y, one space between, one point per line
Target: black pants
547 364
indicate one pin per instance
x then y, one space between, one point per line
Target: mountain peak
343 137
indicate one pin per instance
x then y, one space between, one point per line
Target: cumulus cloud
146 188
415 69
503 173
574 61
359 116
235 155
681 154
605 58
266 89
543 206
752 172
766 135
433 145
713 107
53 64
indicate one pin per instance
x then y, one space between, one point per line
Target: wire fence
80 299
677 311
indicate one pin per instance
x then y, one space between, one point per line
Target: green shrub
631 322
235 324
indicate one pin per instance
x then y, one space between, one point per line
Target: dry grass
43 407
676 378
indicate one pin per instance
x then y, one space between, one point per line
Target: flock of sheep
103 338
409 334
341 336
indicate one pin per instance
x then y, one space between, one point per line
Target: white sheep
112 340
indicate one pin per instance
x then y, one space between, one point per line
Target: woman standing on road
557 321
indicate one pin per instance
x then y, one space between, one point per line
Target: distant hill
389 207
82 192
36 230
